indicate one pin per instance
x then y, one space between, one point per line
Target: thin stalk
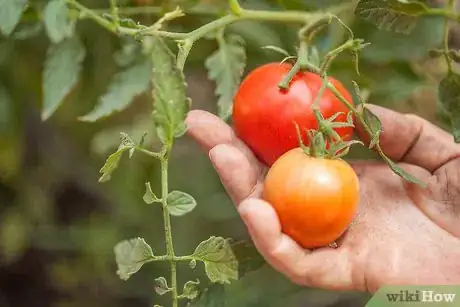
167 227
149 153
450 6
274 16
156 10
88 13
114 11
447 13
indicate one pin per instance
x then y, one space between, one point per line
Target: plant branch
156 10
450 6
114 11
443 12
167 227
149 153
88 13
243 14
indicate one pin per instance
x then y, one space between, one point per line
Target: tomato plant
265 115
314 192
316 199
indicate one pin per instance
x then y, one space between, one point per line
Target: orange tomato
316 199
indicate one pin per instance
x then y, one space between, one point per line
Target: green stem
275 16
167 226
114 11
284 84
235 7
156 10
443 12
450 6
149 153
88 13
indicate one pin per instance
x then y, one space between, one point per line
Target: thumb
412 139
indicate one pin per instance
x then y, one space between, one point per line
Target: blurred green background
58 225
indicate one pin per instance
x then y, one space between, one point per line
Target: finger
325 268
411 139
209 130
237 173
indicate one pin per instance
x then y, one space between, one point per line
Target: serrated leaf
27 30
129 52
220 262
113 160
374 124
124 87
180 203
10 14
57 23
226 67
131 255
449 97
397 15
171 103
190 289
402 173
62 68
161 286
149 197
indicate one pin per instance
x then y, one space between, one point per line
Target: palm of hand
402 235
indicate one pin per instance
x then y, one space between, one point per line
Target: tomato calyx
325 142
324 146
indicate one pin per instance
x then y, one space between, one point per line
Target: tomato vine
171 104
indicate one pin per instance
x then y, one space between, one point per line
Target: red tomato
316 199
264 114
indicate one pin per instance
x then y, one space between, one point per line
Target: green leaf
190 289
249 259
220 262
27 30
124 87
226 67
171 103
149 196
131 255
374 124
276 49
10 14
62 67
388 47
397 15
161 286
180 203
57 22
402 173
449 97
130 51
113 160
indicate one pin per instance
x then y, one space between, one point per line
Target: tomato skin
264 114
316 199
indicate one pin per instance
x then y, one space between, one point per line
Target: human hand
403 234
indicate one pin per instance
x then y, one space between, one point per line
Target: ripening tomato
264 115
316 199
